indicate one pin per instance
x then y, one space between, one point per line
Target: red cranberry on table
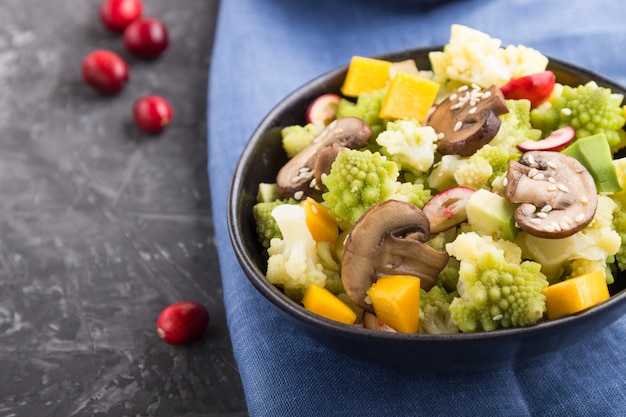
152 113
182 322
116 15
105 71
146 38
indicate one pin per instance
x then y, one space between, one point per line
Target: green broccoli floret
496 289
295 138
589 109
293 262
515 126
435 315
360 179
367 107
409 145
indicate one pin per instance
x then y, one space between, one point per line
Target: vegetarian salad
475 195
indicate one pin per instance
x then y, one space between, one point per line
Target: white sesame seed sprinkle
541 214
498 317
584 200
552 164
472 110
552 188
539 177
298 195
552 180
535 220
531 160
566 111
505 181
563 188
580 217
547 208
458 126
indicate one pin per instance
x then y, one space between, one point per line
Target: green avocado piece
491 214
595 154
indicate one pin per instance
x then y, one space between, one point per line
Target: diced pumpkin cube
575 294
322 302
322 226
409 96
365 75
396 301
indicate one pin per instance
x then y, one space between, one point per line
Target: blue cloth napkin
263 50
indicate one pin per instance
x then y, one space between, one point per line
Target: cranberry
105 71
152 113
146 38
182 322
116 15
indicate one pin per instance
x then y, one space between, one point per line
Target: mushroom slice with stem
557 194
389 239
468 119
296 177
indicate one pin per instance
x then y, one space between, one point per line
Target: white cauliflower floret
293 262
472 56
409 145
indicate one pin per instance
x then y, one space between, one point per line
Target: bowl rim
299 313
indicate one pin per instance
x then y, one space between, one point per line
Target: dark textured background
102 226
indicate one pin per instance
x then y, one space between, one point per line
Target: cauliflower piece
588 108
367 107
409 145
435 315
593 245
472 56
359 179
266 226
477 171
295 138
293 262
496 289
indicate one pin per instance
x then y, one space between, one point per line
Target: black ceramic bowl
261 160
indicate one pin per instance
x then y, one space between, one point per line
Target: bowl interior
260 161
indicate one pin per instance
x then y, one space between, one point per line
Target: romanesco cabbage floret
515 126
409 145
359 179
435 315
296 137
593 245
367 107
293 262
496 288
448 278
472 56
589 109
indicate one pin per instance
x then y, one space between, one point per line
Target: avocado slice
491 214
595 155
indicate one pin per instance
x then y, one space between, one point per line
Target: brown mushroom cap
468 120
298 173
389 240
557 194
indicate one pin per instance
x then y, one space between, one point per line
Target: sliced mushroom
296 177
557 194
389 240
467 120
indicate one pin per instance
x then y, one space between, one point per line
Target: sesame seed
498 317
454 96
552 164
541 214
552 180
556 226
565 225
563 188
566 220
584 200
458 126
505 181
298 195
441 135
535 220
487 94
532 172
548 228
473 110
539 177
580 217
547 208
462 88
531 160
313 183
566 111
552 188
